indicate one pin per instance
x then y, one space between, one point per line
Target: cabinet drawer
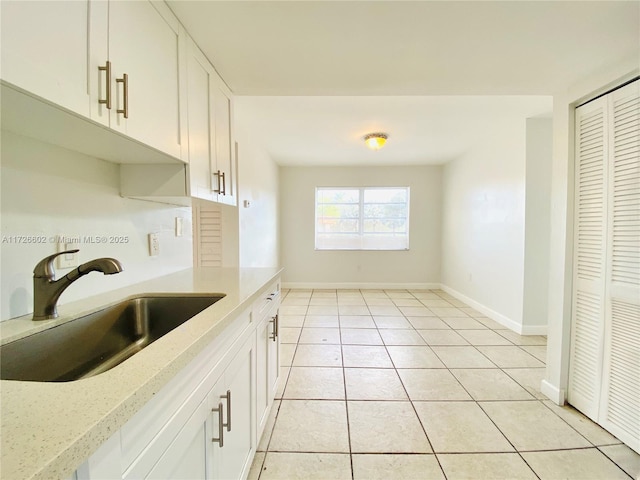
268 298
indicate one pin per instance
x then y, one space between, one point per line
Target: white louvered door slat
589 258
210 238
620 405
208 235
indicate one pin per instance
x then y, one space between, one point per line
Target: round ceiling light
375 141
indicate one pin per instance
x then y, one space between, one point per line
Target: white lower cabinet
187 455
267 351
232 401
217 441
206 422
265 314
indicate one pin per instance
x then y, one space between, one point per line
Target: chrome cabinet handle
272 336
220 438
125 107
107 70
274 321
228 397
224 184
220 176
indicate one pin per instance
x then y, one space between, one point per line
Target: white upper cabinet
70 68
202 127
226 160
114 62
45 50
210 173
212 166
135 71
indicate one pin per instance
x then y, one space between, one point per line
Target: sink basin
99 341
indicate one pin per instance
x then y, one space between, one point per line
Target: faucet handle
45 269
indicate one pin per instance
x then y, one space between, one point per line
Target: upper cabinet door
100 72
144 51
45 50
224 147
212 167
201 125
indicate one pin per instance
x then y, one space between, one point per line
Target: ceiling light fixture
375 141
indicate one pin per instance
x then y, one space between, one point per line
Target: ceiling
399 66
423 130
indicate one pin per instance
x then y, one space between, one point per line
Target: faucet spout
47 290
107 266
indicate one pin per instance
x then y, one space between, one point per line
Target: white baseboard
533 330
361 285
498 317
555 394
492 314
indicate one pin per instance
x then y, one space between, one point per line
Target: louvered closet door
589 258
620 406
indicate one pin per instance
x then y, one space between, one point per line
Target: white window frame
361 219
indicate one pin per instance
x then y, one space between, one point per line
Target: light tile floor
407 385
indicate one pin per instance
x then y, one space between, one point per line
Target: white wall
258 183
561 236
418 266
48 191
537 224
259 221
483 225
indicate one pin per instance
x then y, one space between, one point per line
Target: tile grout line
507 439
593 445
614 462
346 404
344 386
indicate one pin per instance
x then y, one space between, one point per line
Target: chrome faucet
47 290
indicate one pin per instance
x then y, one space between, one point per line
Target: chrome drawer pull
125 81
218 174
274 334
107 70
220 438
228 397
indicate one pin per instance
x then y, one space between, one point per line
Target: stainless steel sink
99 341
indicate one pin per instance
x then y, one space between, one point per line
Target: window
362 218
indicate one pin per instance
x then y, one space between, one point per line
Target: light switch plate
179 226
69 260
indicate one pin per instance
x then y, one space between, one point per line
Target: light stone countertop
48 429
